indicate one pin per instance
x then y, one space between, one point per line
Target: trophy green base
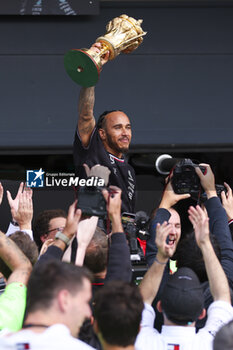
81 68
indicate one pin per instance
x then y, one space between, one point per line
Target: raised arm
227 201
86 120
114 201
207 180
170 198
14 258
13 299
21 210
218 220
23 216
150 284
119 263
85 233
217 279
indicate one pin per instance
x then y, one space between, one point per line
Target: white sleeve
12 229
218 314
148 335
148 316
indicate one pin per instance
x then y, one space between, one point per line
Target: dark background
176 88
48 7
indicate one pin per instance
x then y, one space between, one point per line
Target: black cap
182 297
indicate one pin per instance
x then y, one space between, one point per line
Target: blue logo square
35 178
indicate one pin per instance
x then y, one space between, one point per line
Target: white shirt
180 337
12 229
56 337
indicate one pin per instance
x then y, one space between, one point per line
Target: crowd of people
68 284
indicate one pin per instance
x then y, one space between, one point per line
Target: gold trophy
124 34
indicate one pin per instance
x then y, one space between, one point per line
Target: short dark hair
101 122
224 337
26 245
118 310
188 254
48 278
41 223
96 256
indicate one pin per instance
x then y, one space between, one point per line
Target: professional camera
136 226
186 180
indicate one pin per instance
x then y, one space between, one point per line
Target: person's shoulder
218 313
148 339
62 335
57 336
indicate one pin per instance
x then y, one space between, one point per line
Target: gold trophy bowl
124 34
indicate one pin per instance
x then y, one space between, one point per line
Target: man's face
116 134
175 232
55 225
80 308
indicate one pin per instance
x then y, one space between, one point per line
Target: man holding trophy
106 141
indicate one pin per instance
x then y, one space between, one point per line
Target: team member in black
105 144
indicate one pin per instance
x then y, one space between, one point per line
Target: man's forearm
117 224
15 260
10 253
86 103
86 120
150 284
119 263
217 279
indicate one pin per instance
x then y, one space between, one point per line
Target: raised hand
14 203
227 201
23 215
96 47
207 180
165 250
72 220
200 222
170 198
86 230
45 245
113 199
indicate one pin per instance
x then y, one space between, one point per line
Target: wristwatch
62 237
